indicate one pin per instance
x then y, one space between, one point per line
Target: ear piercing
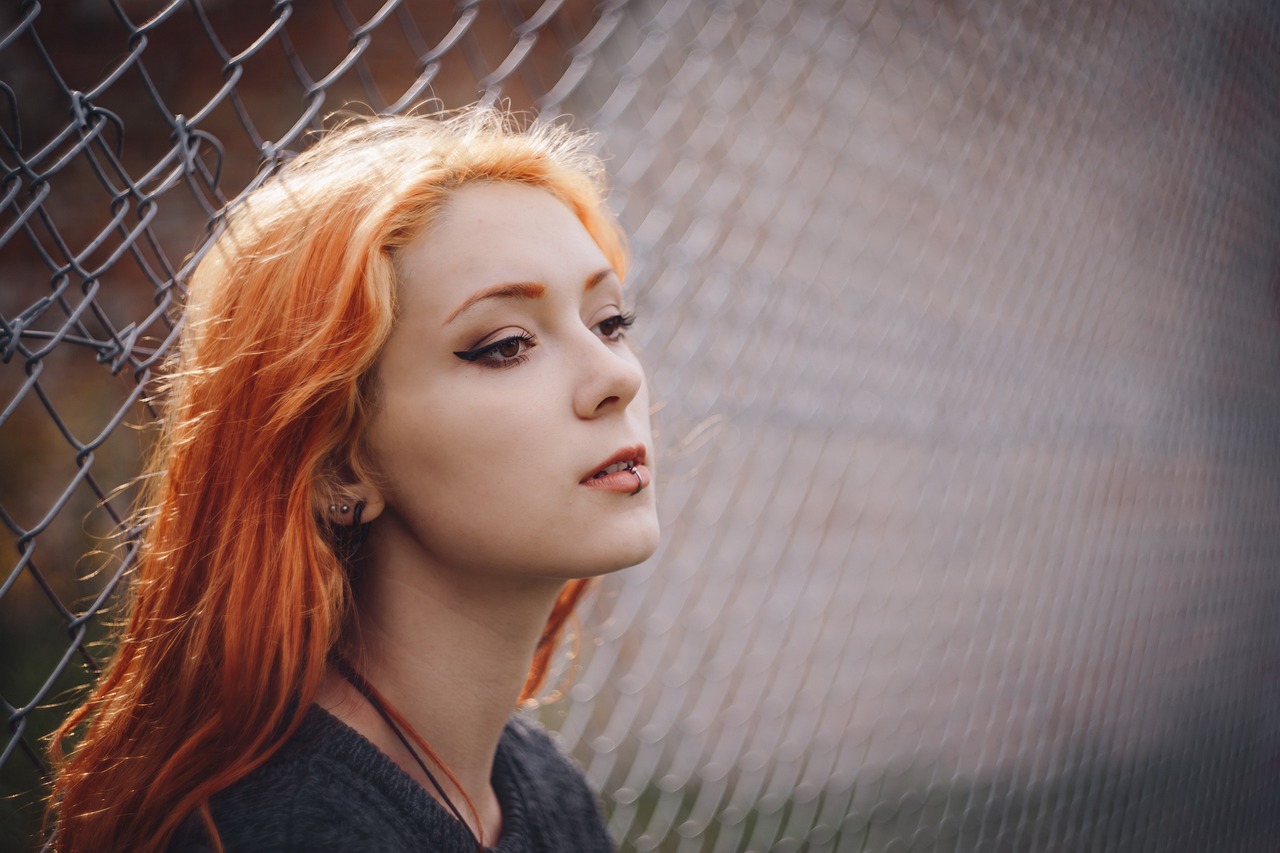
334 509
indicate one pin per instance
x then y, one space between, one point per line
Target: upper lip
635 454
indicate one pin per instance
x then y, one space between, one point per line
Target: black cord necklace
366 690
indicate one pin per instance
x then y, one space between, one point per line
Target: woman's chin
633 547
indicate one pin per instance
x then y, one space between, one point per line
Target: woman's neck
451 652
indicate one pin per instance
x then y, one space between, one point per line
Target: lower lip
620 481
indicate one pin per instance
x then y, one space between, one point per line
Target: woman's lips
624 481
625 457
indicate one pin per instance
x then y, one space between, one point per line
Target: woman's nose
609 378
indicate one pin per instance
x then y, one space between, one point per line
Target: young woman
404 430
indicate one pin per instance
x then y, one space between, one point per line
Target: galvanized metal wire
963 319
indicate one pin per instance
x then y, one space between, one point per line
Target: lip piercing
639 481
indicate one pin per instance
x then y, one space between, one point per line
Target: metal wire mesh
963 315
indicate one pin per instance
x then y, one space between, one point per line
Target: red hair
240 593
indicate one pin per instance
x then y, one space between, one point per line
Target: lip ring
639 481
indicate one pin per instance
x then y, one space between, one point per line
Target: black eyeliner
475 354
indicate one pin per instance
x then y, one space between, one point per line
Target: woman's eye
507 352
510 348
614 328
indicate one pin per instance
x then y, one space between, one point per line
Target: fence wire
963 316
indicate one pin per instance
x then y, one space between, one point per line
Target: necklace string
371 696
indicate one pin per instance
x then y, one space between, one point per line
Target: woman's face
506 386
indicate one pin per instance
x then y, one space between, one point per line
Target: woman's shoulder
529 742
325 789
562 812
329 789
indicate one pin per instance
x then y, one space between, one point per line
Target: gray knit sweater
329 789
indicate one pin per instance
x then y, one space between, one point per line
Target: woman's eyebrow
514 290
598 277
521 290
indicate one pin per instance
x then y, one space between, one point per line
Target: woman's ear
372 500
341 493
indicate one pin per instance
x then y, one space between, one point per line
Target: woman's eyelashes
514 349
508 352
615 328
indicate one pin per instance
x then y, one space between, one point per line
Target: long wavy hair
241 591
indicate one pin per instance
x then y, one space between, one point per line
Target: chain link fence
963 319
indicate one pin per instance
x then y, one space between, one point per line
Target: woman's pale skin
505 387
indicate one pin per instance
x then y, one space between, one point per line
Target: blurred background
962 319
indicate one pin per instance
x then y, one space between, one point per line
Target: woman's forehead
495 233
